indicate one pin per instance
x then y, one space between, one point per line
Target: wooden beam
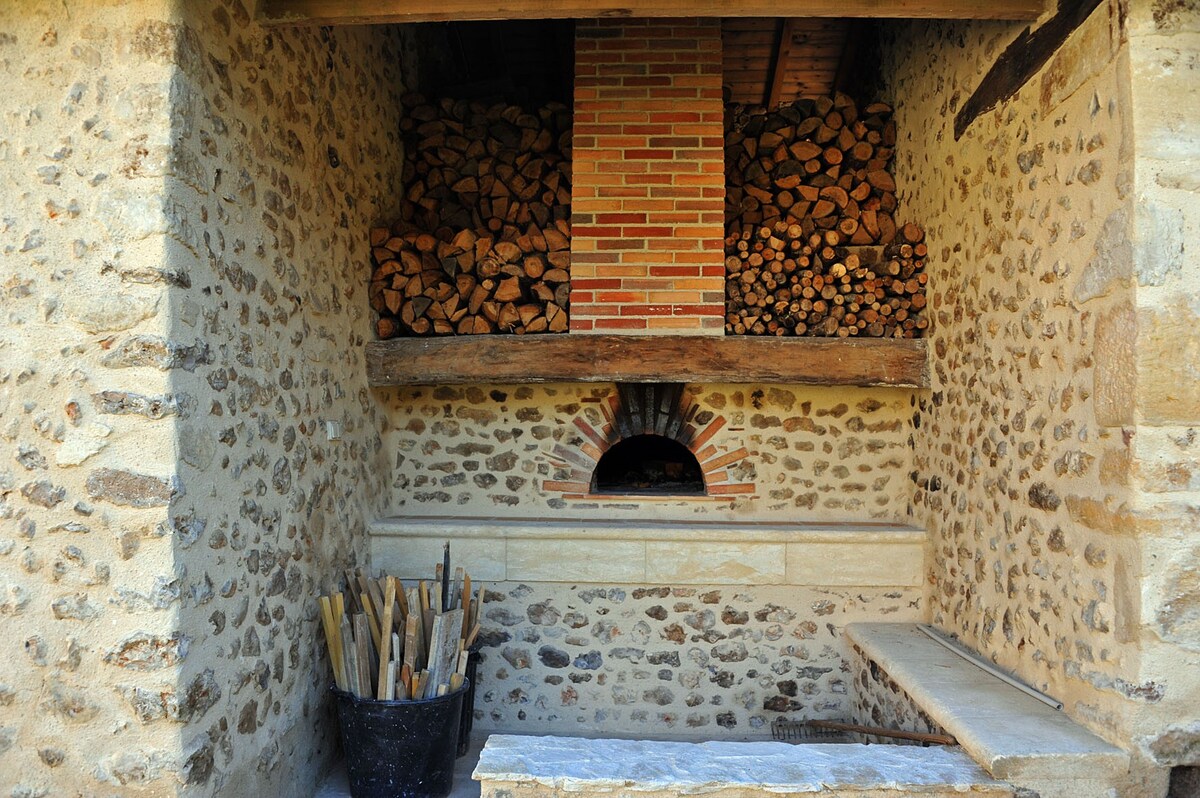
646 358
1021 60
782 54
368 12
848 58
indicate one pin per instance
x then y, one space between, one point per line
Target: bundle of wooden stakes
393 643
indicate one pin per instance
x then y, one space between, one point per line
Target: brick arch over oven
656 409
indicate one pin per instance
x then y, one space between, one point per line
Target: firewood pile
783 282
484 237
811 241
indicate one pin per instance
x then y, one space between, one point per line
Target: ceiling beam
370 12
783 53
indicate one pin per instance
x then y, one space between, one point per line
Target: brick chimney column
648 183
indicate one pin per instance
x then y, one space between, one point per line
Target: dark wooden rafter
366 12
846 61
781 55
1021 60
458 360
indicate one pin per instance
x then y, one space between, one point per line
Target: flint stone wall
813 454
184 308
1057 296
715 662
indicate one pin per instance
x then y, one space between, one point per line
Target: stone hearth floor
338 786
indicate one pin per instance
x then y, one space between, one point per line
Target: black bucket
468 704
400 749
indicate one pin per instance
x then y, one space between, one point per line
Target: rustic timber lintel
646 358
366 12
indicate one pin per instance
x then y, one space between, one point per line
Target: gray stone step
514 766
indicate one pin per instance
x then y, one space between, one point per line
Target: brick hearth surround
648 183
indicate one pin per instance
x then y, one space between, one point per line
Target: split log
812 246
484 236
816 162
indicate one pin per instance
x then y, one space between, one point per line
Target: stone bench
1012 735
514 766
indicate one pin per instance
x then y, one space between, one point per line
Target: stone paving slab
529 766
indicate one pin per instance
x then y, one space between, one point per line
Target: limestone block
81 443
715 563
1168 362
849 564
533 766
414 557
620 562
1115 380
108 310
1011 734
1112 259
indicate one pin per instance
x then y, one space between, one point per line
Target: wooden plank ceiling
770 61
364 12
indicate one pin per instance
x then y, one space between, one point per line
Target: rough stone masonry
183 270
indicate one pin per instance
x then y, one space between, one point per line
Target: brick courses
648 182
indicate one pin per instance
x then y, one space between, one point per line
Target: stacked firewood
818 163
811 242
781 280
483 240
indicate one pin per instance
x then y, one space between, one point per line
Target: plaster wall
184 313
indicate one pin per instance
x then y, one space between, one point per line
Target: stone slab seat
1012 735
513 766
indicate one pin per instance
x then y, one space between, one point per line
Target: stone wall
288 152
88 412
715 662
190 447
812 454
1026 440
878 700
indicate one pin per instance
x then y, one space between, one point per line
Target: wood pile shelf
503 359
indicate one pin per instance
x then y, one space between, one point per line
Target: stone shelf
1012 735
681 552
501 359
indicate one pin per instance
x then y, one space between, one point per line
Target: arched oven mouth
649 454
648 465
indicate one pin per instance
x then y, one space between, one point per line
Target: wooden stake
466 604
331 642
445 602
372 621
387 675
470 639
350 658
362 643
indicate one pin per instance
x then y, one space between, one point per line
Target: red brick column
648 183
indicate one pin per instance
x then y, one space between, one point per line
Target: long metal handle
975 660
